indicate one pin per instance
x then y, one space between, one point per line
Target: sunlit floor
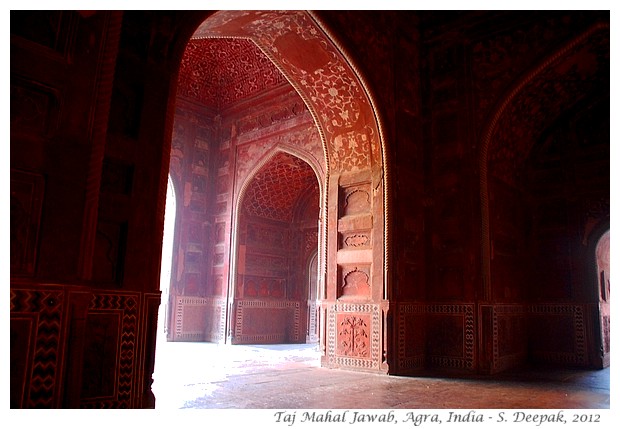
204 375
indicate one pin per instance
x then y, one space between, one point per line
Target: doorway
603 271
276 233
243 96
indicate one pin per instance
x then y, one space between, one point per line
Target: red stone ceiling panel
275 190
218 72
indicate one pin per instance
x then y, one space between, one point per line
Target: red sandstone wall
86 207
89 156
458 67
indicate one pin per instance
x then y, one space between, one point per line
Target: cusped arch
321 73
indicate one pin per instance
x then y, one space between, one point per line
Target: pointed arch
241 194
499 125
351 132
333 89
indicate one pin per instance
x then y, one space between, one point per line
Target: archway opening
233 108
277 232
246 101
603 269
166 261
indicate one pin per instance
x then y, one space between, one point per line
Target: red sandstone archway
275 229
534 103
353 160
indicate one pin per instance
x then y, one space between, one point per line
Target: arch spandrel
320 73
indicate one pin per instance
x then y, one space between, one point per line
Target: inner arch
277 233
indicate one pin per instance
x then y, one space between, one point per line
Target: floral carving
353 336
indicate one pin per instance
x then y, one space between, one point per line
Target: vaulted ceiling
277 188
221 72
218 72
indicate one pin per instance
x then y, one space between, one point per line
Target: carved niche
356 200
354 283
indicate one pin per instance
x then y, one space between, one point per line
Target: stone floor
203 375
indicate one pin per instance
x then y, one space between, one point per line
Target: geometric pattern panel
40 312
101 347
219 72
276 188
509 336
199 319
558 333
109 311
411 336
267 322
458 319
439 335
445 336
